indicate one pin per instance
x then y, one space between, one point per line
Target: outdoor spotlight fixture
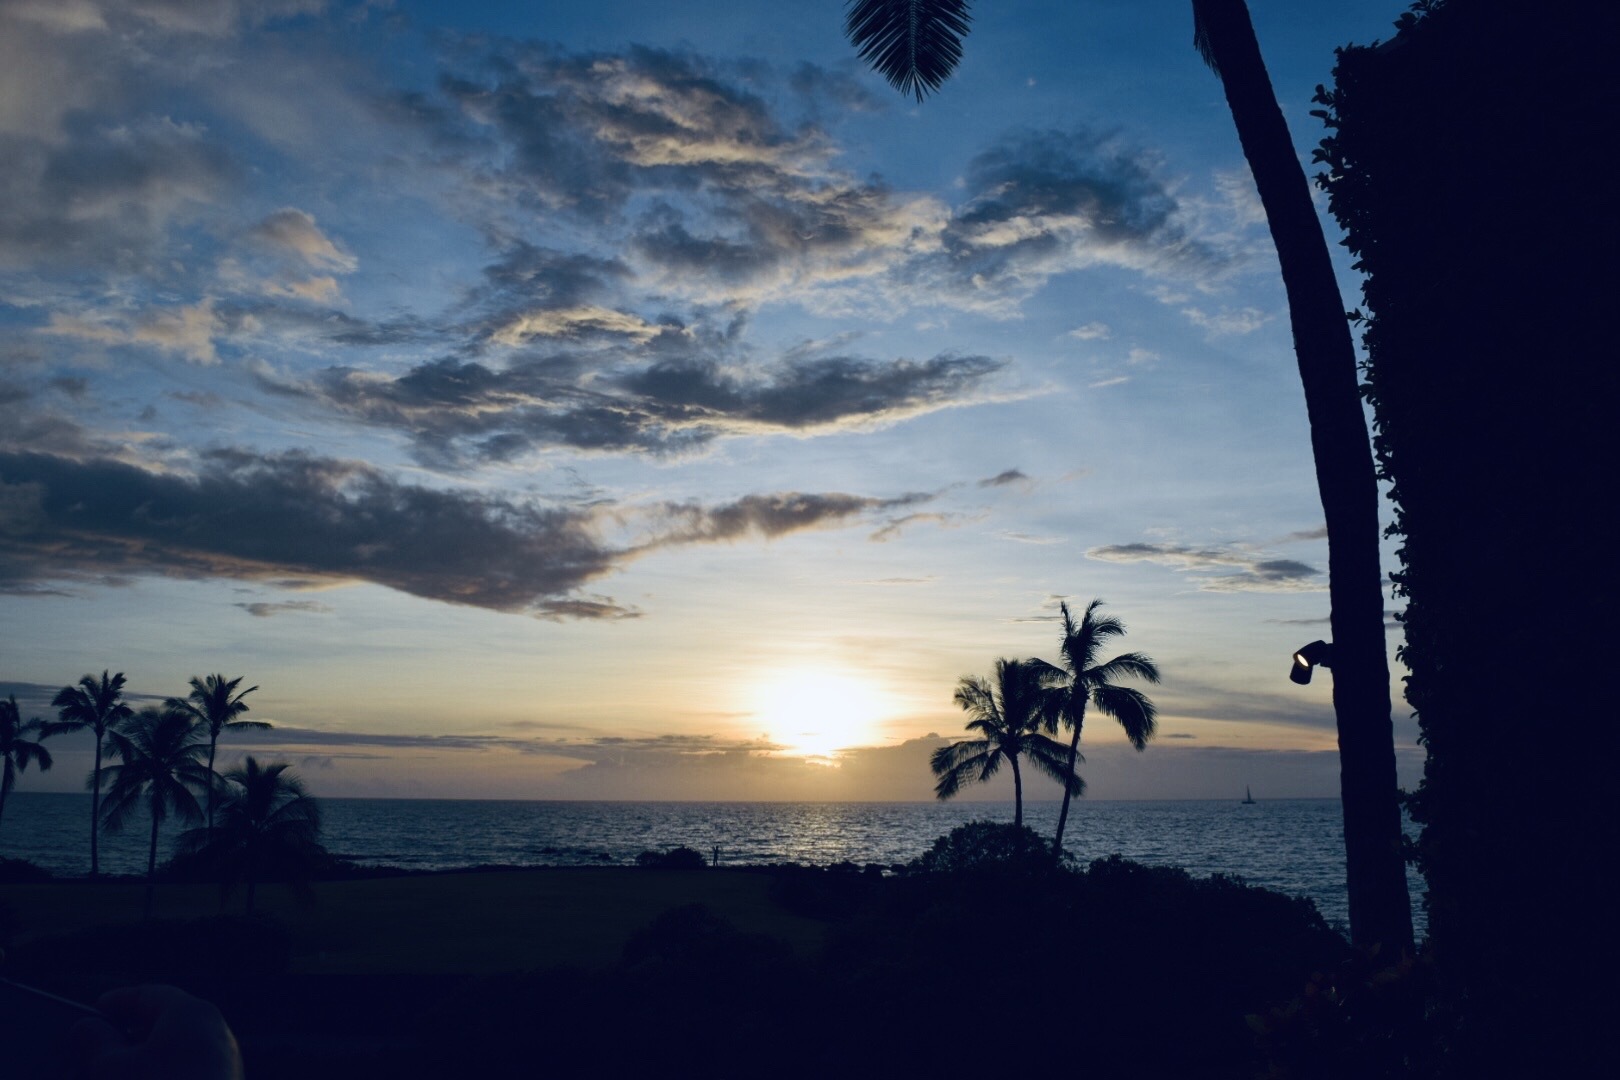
1309 657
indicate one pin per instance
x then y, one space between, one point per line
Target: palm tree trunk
1018 792
95 810
212 743
1063 814
151 868
1380 908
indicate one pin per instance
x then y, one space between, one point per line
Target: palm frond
974 695
915 44
949 757
1201 38
1135 713
1125 666
1051 758
956 770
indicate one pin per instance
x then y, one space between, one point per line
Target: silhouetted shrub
678 858
985 846
832 893
21 872
163 950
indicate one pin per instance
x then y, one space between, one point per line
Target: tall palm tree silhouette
1008 716
916 44
20 744
269 824
161 768
1093 683
215 704
96 704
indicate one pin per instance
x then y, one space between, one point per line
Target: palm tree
1008 716
19 745
915 44
1093 683
216 705
161 768
268 825
99 706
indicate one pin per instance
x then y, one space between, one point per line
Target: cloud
263 610
257 518
317 520
1228 568
460 411
188 330
1006 478
1092 331
1047 202
105 194
768 516
1227 323
293 232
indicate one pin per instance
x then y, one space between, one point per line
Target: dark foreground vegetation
1462 166
980 956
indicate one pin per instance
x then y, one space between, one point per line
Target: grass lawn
458 923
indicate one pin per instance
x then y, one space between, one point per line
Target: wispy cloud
295 516
1220 568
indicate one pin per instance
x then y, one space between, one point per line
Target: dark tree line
1469 162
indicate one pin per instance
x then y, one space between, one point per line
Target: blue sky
642 400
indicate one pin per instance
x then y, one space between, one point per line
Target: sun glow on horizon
815 714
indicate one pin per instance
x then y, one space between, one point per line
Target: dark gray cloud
104 195
255 518
1044 202
295 518
264 609
770 516
458 412
1004 478
1224 568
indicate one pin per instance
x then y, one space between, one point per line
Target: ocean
1295 846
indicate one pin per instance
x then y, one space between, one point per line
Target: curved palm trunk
1018 792
213 742
1380 908
151 867
95 810
1074 756
5 789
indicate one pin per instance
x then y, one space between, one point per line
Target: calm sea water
1293 845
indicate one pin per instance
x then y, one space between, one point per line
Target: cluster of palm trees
162 762
1016 715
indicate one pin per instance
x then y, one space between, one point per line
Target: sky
636 400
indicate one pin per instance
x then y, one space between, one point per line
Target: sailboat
1248 796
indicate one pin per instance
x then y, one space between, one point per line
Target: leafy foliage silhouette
1008 716
21 743
268 828
1092 683
95 705
215 703
161 770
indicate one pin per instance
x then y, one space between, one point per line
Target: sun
816 714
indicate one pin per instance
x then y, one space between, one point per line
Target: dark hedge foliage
677 858
1470 166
